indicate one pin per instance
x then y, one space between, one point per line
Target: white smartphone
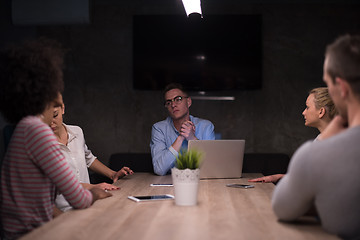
236 185
161 185
151 198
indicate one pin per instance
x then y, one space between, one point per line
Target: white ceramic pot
186 183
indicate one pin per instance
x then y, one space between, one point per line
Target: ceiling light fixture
192 6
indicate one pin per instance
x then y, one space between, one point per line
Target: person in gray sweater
325 174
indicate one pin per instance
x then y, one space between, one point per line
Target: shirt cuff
173 151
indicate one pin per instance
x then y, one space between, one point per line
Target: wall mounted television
213 53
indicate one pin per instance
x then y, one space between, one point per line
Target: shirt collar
71 134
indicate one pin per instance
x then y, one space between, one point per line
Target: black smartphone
236 185
151 198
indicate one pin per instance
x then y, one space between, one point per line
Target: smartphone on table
161 185
236 185
151 197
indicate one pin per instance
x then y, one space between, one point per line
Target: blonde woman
319 111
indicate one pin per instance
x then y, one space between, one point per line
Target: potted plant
185 176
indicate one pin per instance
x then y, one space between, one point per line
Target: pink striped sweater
33 169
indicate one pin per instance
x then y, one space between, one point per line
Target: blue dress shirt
164 134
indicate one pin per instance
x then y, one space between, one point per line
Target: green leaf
189 159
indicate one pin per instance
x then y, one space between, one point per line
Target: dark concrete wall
116 118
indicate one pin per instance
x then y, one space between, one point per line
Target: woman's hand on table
267 179
105 186
121 173
99 194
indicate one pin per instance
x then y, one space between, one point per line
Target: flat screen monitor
213 53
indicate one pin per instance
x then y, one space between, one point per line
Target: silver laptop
222 158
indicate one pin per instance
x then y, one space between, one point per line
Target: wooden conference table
221 213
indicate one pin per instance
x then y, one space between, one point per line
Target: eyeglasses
176 100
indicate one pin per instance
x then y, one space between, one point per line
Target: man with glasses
173 133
